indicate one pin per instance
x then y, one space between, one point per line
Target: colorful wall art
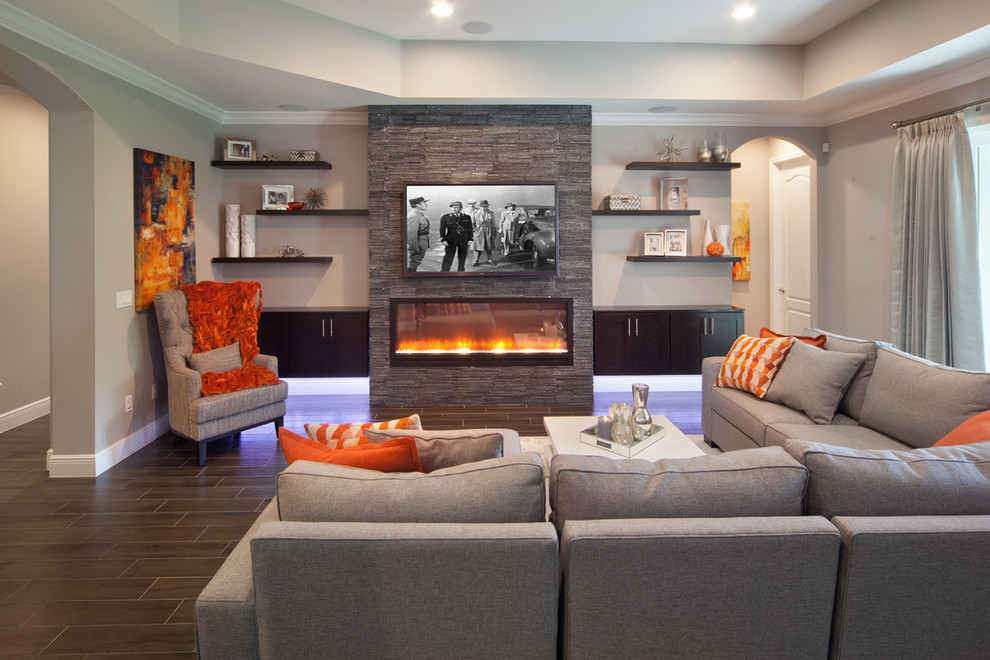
164 228
740 240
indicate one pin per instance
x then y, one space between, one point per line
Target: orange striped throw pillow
338 436
752 363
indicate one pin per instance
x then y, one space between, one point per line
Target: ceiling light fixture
442 9
743 12
477 27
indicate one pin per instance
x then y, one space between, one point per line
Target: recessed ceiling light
660 109
477 27
293 107
442 9
743 12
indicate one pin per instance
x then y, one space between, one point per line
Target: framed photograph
238 149
675 242
653 243
480 229
673 194
276 197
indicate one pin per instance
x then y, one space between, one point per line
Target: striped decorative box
623 202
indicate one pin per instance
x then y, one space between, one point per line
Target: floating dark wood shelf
272 260
674 259
339 212
682 166
272 164
647 213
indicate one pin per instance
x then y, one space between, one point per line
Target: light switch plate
124 299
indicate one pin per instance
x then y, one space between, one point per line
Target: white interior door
790 241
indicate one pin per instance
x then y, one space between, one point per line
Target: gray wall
478 144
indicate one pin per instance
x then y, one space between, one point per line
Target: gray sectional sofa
803 551
856 393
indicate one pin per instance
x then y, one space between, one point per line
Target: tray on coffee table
590 436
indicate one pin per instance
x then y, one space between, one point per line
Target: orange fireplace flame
466 345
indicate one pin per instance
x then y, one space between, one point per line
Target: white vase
706 237
232 230
247 235
724 235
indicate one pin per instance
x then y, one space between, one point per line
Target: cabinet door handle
628 327
323 328
331 326
637 327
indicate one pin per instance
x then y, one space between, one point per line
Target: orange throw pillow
974 429
396 455
752 363
819 341
347 435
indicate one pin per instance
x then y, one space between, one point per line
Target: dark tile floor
110 567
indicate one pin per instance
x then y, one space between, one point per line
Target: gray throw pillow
918 402
748 482
499 490
443 449
937 481
852 402
814 380
218 360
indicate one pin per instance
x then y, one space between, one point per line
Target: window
979 136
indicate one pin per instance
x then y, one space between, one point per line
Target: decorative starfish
670 152
316 198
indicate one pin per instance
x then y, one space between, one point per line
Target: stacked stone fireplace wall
479 144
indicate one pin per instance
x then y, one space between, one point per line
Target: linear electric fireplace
489 331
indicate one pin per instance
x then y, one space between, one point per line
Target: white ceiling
811 62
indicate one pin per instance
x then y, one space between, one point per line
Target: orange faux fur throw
222 313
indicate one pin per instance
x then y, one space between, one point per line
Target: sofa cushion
814 381
918 402
751 415
218 360
750 482
751 363
443 449
817 341
974 429
842 435
508 489
395 455
852 402
348 435
924 482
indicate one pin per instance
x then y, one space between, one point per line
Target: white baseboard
92 465
656 383
24 414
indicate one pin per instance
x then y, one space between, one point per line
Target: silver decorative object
620 413
290 251
315 198
640 422
267 157
705 153
670 152
721 151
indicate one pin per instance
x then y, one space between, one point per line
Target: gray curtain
935 301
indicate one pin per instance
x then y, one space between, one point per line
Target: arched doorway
72 267
761 187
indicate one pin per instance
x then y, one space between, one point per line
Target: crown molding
281 117
703 119
17 20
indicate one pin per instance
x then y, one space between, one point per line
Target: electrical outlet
154 391
128 403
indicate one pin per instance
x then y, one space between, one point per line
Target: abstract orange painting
740 241
164 227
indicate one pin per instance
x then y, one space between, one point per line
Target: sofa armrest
269 362
225 612
710 367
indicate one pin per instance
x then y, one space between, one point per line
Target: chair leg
201 453
279 423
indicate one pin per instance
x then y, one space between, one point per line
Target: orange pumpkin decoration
715 249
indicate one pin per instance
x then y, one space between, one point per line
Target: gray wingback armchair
199 418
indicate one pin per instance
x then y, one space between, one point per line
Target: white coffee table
565 438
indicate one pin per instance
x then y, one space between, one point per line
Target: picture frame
499 230
675 242
239 149
276 197
653 243
673 194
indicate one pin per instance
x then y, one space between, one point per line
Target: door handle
781 290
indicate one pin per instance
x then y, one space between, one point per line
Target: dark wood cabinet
695 335
316 343
632 342
662 341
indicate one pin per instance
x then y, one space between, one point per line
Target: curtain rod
943 113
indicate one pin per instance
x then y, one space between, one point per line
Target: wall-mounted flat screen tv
481 229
